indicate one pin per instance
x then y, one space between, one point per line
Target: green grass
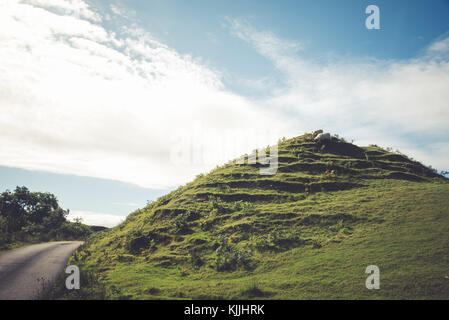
14 245
307 232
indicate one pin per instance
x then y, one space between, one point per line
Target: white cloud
394 103
77 98
122 12
96 218
440 46
78 8
280 51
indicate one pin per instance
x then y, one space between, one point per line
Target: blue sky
99 199
99 98
325 28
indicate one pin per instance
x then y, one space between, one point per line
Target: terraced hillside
309 231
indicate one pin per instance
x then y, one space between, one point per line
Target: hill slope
309 231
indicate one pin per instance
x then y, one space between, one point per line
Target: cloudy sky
99 99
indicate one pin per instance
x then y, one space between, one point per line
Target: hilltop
309 231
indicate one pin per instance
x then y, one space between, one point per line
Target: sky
110 104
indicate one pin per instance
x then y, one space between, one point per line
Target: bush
229 257
35 216
195 259
276 241
180 225
3 236
249 208
254 292
216 206
70 230
136 242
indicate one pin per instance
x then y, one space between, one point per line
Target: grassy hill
307 232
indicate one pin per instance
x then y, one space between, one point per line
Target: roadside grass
90 288
14 245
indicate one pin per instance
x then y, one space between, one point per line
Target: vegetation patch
30 217
307 232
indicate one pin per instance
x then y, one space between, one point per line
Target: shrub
35 216
136 242
195 259
229 257
276 241
216 206
180 222
184 272
248 208
254 292
153 291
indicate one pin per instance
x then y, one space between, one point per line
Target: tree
30 211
